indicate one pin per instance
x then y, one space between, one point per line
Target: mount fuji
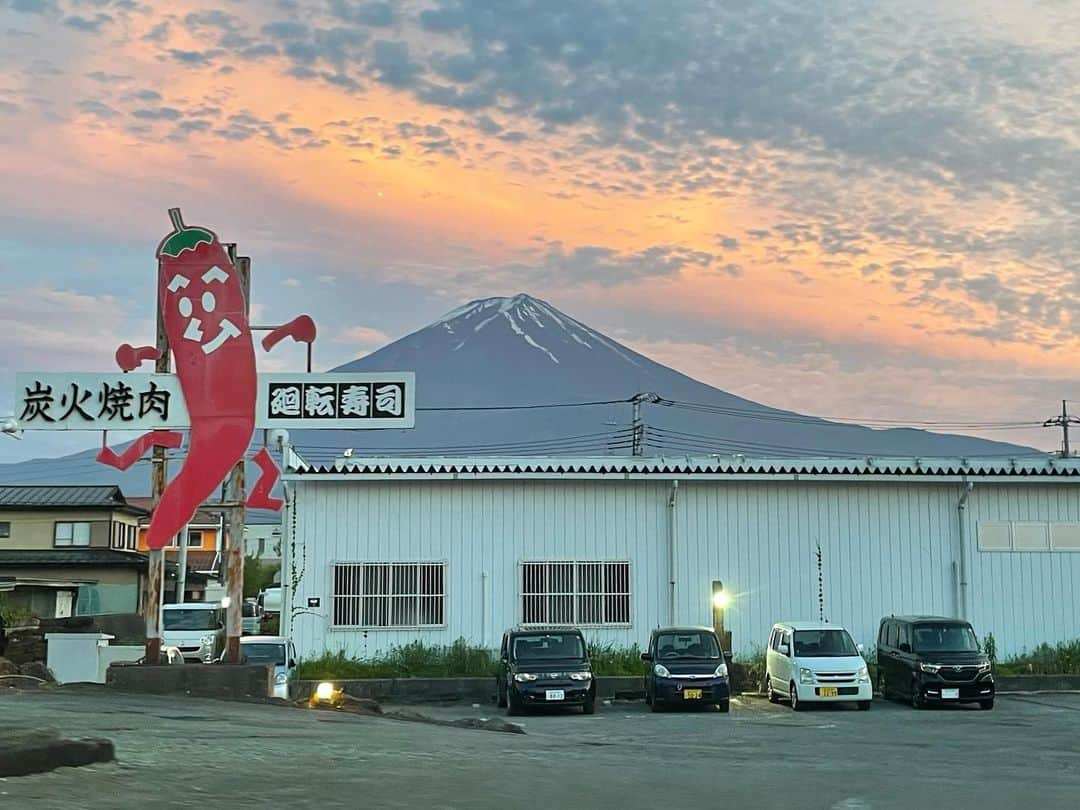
516 376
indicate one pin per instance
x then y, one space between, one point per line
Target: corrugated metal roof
59 497
710 466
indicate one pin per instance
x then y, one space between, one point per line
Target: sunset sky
858 209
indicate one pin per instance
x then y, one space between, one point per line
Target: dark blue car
686 668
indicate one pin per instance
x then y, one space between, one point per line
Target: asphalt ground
189 752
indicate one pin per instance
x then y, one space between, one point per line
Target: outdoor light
324 692
721 600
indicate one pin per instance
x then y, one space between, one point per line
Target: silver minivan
196 628
275 651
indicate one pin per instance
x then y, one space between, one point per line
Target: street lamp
720 600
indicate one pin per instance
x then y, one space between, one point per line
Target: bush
14 616
415 660
1062 658
608 659
753 666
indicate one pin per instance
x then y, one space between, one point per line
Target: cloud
393 64
88 24
374 14
97 109
34 6
365 337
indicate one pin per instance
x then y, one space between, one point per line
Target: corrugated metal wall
886 548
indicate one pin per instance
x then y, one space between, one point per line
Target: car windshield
540 647
824 644
263 652
190 619
248 610
945 638
687 645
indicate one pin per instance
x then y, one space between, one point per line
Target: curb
25 753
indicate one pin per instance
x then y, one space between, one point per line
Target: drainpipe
483 607
673 536
961 507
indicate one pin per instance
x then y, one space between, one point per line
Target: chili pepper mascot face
203 309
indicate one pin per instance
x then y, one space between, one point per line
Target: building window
72 534
194 539
389 594
1028 536
579 593
132 537
5 529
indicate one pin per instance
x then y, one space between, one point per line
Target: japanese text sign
78 401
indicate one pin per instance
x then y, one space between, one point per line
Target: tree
257 576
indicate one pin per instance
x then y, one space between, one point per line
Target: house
204 539
387 551
71 550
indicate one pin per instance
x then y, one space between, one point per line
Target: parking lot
188 752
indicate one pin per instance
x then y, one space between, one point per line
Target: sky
850 208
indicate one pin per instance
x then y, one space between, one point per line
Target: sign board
143 402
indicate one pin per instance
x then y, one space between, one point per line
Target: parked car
276 651
196 628
687 668
269 600
545 668
251 617
931 659
808 662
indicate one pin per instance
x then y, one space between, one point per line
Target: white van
812 662
196 628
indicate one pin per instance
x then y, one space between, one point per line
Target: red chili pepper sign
203 309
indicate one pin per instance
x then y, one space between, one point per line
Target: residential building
387 551
204 539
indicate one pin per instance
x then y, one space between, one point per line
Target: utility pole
181 566
1063 421
234 554
639 422
156 567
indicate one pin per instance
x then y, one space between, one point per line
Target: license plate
827 691
691 694
950 694
556 694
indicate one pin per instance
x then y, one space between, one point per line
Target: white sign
141 402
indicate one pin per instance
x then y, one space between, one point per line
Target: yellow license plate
691 694
827 691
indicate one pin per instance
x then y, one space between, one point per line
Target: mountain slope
486 370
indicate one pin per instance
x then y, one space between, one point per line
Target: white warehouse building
382 552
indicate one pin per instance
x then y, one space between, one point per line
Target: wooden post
234 555
155 586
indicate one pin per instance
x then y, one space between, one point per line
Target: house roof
200 518
1042 467
82 558
65 497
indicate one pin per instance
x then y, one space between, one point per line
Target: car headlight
580 676
931 668
984 666
521 677
207 641
805 675
281 679
863 675
661 671
721 671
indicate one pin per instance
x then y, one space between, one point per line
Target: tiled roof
201 517
693 466
82 558
61 497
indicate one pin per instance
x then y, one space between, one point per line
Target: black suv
686 668
930 659
545 668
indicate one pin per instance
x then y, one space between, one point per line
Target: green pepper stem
177 220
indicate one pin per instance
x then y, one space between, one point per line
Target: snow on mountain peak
525 317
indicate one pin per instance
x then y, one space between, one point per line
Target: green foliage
753 666
458 660
14 616
257 576
415 660
990 647
609 659
270 624
1062 658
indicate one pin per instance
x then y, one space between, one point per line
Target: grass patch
1062 658
609 659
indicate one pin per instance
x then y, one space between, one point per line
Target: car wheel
796 704
883 690
917 699
864 705
589 706
724 706
986 705
769 693
513 705
656 706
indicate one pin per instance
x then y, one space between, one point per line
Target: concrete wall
228 681
888 547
